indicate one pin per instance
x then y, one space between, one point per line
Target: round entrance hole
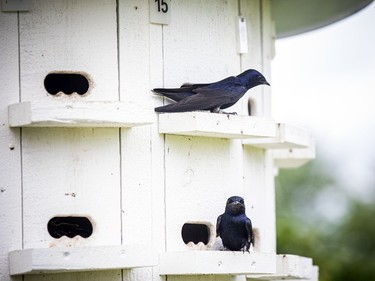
67 83
70 227
195 232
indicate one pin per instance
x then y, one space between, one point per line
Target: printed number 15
162 6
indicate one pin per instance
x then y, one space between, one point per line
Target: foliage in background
316 218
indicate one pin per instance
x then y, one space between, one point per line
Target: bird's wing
218 226
189 89
205 99
250 234
178 94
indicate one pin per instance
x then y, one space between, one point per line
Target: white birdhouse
94 183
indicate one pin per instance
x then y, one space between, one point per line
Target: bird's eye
241 201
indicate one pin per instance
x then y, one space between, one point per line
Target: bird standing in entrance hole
211 96
234 227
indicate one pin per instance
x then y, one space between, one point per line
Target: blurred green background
318 218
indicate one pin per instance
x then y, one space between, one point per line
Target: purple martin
211 96
234 227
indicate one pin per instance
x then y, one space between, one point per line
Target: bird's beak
266 83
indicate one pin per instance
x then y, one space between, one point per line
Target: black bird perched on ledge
234 227
211 96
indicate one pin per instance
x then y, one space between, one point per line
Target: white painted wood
10 149
216 262
294 157
215 125
157 151
142 149
200 43
259 190
78 114
250 9
287 136
69 36
199 178
289 267
78 36
136 161
268 41
315 274
76 173
292 266
257 163
72 259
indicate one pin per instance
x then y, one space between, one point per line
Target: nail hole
195 232
67 83
70 227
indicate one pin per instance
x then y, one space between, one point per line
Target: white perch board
78 114
290 267
216 262
217 125
287 136
53 260
294 157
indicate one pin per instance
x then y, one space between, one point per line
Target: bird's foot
223 112
229 113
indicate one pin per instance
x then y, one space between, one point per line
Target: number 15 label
160 11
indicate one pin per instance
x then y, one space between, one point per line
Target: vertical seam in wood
20 129
261 33
163 59
261 49
164 148
118 48
119 130
19 56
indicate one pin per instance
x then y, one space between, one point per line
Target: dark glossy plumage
211 96
234 227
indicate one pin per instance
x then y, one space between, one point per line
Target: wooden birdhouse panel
200 176
140 60
65 37
10 146
74 180
200 43
250 11
137 52
259 187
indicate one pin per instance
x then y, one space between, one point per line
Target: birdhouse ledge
217 262
287 136
78 114
291 267
55 260
216 125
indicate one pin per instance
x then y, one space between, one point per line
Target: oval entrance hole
70 227
195 232
67 83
